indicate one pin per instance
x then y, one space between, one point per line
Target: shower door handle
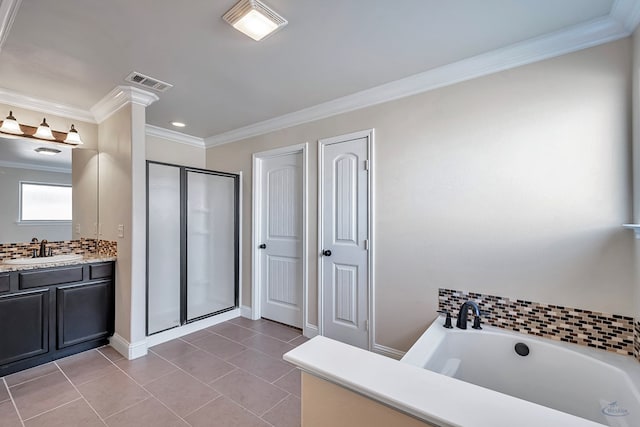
262 246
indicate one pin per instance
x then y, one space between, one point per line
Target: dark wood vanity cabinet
46 314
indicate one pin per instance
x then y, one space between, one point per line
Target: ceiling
19 152
76 51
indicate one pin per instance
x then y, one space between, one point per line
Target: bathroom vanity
52 312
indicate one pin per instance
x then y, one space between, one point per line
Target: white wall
10 230
115 206
512 184
168 151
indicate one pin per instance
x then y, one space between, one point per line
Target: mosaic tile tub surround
80 246
604 331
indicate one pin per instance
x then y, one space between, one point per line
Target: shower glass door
163 246
211 233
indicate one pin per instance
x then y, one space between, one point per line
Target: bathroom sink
44 260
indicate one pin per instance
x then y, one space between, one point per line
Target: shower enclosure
192 244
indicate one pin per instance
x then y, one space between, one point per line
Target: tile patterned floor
231 374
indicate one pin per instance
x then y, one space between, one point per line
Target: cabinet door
24 331
84 312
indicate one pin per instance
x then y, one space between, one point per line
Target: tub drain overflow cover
522 349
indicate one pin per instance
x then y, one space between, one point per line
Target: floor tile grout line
246 346
13 402
260 354
53 409
281 377
81 395
279 402
193 376
235 369
252 330
127 407
171 360
220 396
151 395
247 409
246 370
105 356
32 379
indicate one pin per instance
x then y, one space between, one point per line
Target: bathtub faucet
464 312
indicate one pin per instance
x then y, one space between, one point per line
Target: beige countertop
87 259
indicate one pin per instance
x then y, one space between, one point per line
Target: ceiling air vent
147 82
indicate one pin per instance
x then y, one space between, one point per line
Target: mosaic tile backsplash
609 332
636 340
81 246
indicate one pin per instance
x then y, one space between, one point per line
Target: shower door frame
184 241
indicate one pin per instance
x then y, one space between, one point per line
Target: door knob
262 246
326 252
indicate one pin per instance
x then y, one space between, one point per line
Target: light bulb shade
44 131
73 137
11 125
254 18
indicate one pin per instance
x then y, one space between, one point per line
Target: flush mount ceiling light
178 124
73 137
44 131
254 18
47 151
11 125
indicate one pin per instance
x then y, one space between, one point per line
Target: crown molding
118 98
44 106
8 12
627 13
578 37
174 136
42 168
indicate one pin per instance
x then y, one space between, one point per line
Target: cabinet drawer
4 283
101 271
37 279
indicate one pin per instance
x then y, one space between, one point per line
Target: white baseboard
247 312
189 328
310 330
129 350
388 351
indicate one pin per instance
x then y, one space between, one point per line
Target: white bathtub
596 385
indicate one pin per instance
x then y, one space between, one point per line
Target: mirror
48 191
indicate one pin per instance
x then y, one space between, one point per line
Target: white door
280 239
344 259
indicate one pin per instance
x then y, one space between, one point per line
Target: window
45 202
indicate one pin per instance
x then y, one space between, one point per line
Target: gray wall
512 184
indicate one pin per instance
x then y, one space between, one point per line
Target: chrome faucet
35 251
464 312
43 248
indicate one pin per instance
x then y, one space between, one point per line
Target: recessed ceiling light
178 124
47 151
254 18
